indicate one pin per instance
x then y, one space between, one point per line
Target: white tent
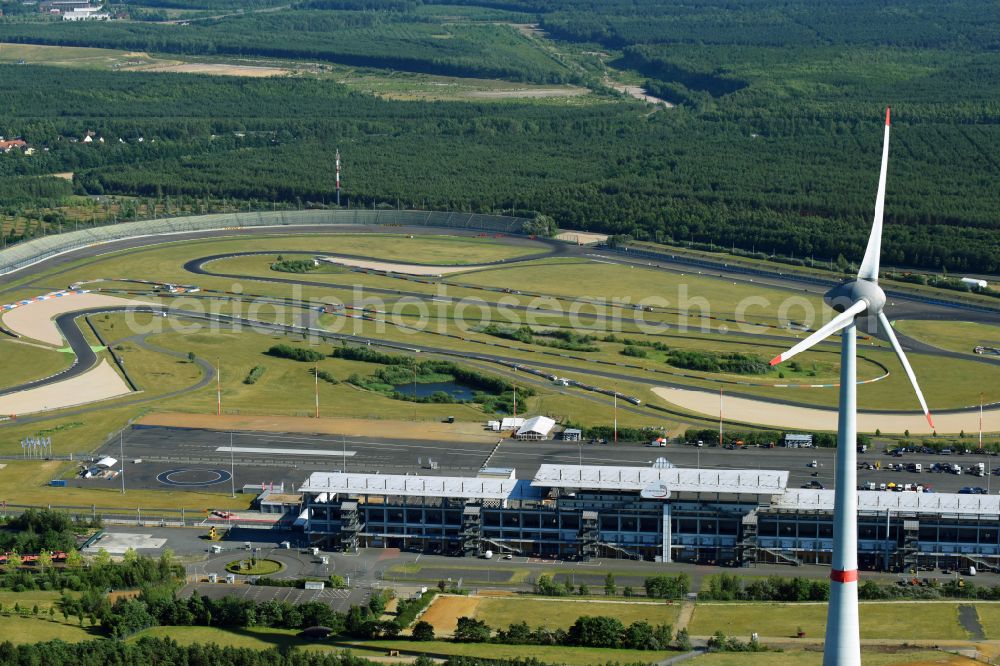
537 427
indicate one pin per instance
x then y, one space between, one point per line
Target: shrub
254 374
295 353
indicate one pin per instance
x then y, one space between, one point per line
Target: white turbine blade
906 365
869 265
834 325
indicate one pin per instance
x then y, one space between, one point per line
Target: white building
535 428
975 283
86 14
511 423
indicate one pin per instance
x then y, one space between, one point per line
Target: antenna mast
338 178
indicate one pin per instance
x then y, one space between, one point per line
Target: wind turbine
857 298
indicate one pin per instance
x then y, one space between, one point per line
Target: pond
452 388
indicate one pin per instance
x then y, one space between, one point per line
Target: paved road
85 356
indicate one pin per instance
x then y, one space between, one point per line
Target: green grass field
44 599
23 362
959 336
989 618
255 638
261 638
561 613
27 481
932 620
870 656
37 629
571 656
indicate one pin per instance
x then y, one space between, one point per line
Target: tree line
774 149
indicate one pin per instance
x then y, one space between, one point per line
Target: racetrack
902 308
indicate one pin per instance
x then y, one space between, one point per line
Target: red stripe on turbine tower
838 576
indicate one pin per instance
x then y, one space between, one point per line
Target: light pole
121 444
232 465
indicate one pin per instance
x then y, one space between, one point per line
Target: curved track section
913 307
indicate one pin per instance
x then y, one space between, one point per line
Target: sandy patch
429 430
535 93
35 320
65 175
637 92
443 614
220 69
581 237
404 269
812 418
100 383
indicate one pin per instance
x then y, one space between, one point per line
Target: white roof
806 499
591 477
414 486
510 423
107 461
543 425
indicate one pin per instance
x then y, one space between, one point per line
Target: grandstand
736 517
33 251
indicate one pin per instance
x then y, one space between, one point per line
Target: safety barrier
33 251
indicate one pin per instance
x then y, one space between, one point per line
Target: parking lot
338 599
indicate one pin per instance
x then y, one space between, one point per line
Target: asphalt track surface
901 306
162 449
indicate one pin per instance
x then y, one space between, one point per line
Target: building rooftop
674 479
539 424
413 486
880 501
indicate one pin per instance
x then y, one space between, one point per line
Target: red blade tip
887 116
776 360
930 421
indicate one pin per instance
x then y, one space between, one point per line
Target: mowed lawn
960 336
24 362
37 629
500 613
989 618
43 599
255 638
810 657
571 656
260 638
927 620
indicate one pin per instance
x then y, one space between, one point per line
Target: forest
773 146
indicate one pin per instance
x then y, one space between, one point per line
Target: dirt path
429 430
768 413
684 619
405 269
443 614
220 69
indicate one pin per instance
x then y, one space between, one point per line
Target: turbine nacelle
843 296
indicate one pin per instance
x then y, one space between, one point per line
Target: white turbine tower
860 297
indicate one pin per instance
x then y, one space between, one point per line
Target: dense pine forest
773 145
